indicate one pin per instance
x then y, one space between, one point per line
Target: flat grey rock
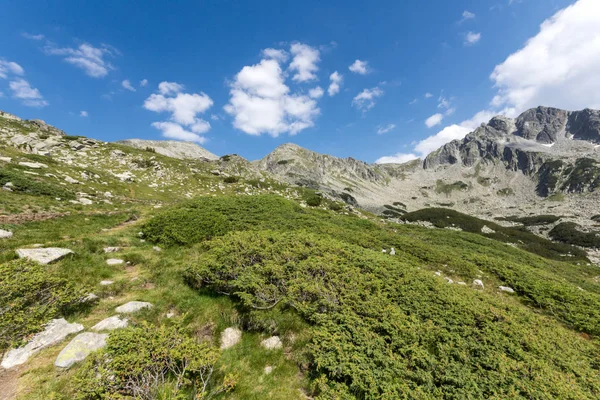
55 331
5 234
230 337
79 348
111 323
272 343
33 165
43 255
114 261
133 306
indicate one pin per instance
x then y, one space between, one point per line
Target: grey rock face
43 255
55 332
79 348
172 148
542 124
585 125
133 306
111 323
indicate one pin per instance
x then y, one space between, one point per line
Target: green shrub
448 188
231 179
150 149
596 218
225 158
533 220
313 200
567 232
149 362
30 296
24 183
283 162
505 192
143 163
73 137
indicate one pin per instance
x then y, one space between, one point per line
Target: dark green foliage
33 185
149 362
348 189
443 218
392 211
225 158
231 179
143 163
348 199
73 137
505 192
448 188
313 200
399 204
596 218
383 328
150 149
334 206
583 176
549 176
533 220
567 232
283 162
30 297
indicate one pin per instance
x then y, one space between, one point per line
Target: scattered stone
438 273
5 159
449 280
33 165
91 297
157 249
79 348
170 314
43 255
268 369
5 234
55 331
383 250
133 306
110 324
114 261
478 283
85 201
486 229
461 283
272 343
392 252
111 249
506 289
68 179
230 337
106 283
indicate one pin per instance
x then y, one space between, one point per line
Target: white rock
6 159
79 348
449 280
68 179
230 337
114 261
506 289
133 306
33 165
90 297
486 229
268 369
111 323
5 234
272 343
111 249
157 249
106 283
43 255
478 283
55 331
461 283
392 252
108 194
85 201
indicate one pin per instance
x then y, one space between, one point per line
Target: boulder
230 337
43 255
272 343
55 332
506 289
79 348
111 323
133 306
5 234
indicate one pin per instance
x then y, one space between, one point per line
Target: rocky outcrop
171 148
79 348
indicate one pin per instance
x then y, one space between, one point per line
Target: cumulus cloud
261 102
385 129
466 15
9 67
83 114
434 120
428 95
365 100
316 93
471 38
276 54
127 85
143 82
29 96
92 60
184 108
304 62
398 158
32 36
359 67
564 72
336 82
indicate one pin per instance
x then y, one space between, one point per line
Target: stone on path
272 343
230 337
133 306
111 323
5 234
55 331
114 261
506 289
43 255
79 348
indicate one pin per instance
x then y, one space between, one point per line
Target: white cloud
87 57
471 38
557 67
83 114
29 96
143 82
434 120
175 131
398 158
428 95
276 54
413 101
336 82
9 67
385 129
261 102
365 100
360 67
316 93
127 85
32 36
304 62
184 109
466 15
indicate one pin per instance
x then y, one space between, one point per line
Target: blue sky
243 77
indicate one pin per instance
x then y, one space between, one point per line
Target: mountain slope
171 148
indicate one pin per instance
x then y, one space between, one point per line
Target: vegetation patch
505 192
448 188
567 232
30 184
533 220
